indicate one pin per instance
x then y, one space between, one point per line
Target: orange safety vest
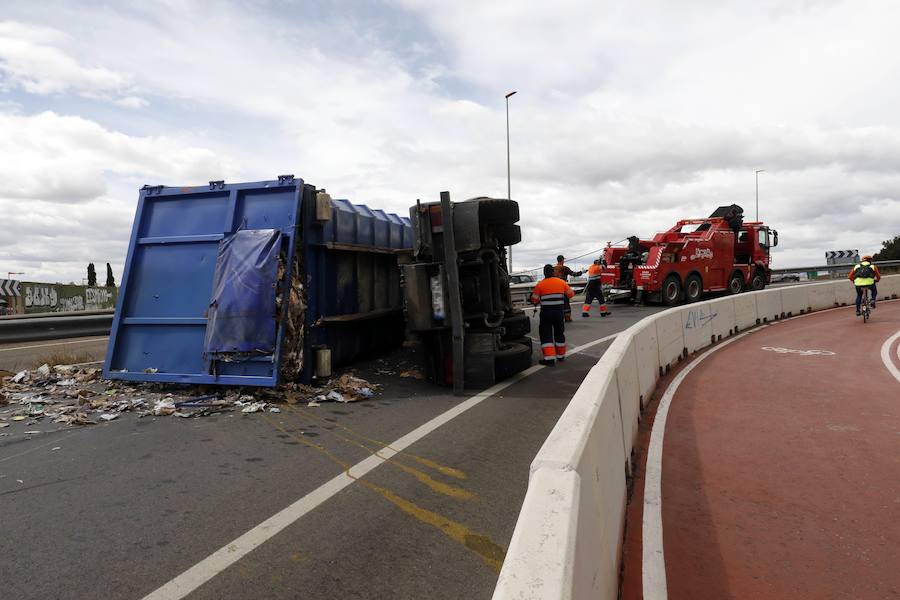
594 273
551 291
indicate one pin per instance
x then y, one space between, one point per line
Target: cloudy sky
628 115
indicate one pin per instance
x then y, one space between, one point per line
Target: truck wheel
497 210
693 288
516 326
506 234
511 360
736 283
758 282
671 290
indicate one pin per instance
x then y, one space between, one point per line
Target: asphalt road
26 355
119 509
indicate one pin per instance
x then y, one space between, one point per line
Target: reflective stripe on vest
553 300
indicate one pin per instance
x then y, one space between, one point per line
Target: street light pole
757 192
508 176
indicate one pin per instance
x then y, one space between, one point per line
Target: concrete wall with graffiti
47 297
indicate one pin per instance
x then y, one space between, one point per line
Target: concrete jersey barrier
568 538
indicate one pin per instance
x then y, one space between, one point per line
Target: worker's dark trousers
552 330
593 292
568 315
873 292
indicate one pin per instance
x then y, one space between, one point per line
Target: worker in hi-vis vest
594 290
865 275
563 272
551 294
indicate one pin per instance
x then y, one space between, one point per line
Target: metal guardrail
52 326
520 292
835 268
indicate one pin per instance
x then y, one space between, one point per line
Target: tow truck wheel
693 288
758 282
736 283
671 290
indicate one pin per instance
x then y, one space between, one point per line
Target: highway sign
842 257
9 287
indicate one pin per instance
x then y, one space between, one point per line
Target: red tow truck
717 254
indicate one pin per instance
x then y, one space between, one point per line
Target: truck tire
506 234
736 283
516 326
511 360
492 211
671 290
525 341
758 281
693 288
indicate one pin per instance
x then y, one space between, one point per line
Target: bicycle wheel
865 311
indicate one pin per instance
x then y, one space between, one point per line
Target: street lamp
757 192
8 273
508 179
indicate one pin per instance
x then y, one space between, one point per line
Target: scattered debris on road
72 395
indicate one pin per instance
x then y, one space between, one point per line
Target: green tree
890 250
92 275
110 280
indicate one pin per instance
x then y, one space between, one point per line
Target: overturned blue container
254 284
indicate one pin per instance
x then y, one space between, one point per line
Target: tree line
92 276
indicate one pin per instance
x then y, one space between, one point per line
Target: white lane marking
98 339
654 561
886 355
229 554
801 352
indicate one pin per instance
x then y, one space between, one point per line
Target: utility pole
757 192
508 177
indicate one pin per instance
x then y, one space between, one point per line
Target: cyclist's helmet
867 257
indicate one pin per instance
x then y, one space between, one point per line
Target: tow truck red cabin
720 253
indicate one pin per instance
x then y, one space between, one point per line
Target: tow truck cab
719 253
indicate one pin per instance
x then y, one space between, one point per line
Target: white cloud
68 189
628 117
31 58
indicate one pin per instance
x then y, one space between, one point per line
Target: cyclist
865 275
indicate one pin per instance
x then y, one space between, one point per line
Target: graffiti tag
41 296
697 319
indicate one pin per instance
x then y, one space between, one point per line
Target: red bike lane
781 466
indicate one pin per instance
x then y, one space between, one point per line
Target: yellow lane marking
443 469
488 551
483 546
424 478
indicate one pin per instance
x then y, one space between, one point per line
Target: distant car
782 277
521 278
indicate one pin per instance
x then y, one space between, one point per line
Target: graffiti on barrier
696 318
67 298
40 297
98 298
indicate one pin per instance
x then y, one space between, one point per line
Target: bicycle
866 307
